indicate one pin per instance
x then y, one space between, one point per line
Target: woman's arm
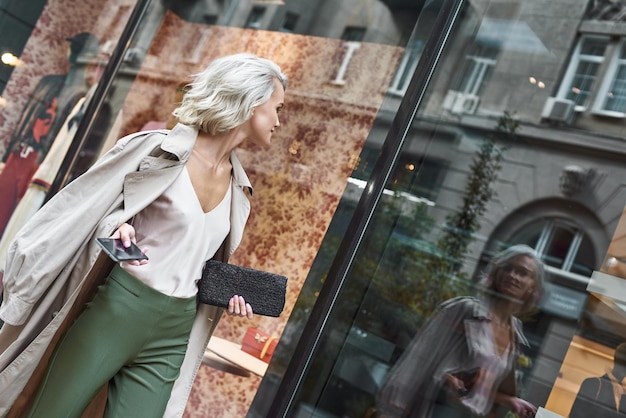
518 405
50 240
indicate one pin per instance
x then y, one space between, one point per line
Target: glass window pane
583 82
584 261
558 246
477 69
594 46
353 33
289 24
616 96
256 16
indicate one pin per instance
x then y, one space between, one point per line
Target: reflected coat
54 265
442 346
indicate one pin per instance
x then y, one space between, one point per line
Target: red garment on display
14 180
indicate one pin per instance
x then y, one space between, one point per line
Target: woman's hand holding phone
124 246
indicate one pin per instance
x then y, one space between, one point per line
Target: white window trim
576 58
546 235
406 67
600 102
477 76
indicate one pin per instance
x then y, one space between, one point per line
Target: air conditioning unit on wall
558 110
458 103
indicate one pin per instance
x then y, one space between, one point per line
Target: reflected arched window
561 244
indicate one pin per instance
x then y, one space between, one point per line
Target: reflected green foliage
462 225
445 269
418 275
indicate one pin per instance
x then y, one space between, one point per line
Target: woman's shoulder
468 305
462 301
142 137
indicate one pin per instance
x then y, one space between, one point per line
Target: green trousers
131 336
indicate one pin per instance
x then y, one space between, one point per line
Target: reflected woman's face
517 277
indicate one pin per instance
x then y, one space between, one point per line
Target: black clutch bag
264 291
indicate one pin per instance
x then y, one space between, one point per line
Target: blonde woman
180 194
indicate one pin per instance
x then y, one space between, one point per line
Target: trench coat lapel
240 207
158 170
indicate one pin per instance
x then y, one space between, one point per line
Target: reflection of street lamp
3 101
10 59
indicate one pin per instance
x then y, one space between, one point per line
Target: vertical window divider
99 96
343 261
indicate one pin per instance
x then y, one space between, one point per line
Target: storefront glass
510 145
341 60
510 133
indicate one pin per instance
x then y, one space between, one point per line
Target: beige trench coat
53 265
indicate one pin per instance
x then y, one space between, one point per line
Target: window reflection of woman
462 362
180 193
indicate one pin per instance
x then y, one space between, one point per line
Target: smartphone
468 377
116 250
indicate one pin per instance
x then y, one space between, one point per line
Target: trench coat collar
180 140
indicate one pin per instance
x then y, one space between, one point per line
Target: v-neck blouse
179 237
493 365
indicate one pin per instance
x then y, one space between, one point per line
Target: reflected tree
419 275
445 268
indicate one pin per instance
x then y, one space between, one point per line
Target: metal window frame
312 332
84 128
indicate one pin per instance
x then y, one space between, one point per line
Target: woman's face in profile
516 278
265 119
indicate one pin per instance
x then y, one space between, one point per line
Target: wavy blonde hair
224 95
504 257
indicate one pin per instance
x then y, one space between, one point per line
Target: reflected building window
596 76
416 176
564 247
353 33
256 17
614 97
196 11
477 69
419 176
583 70
289 22
406 68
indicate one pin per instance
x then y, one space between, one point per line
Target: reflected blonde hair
224 95
504 257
